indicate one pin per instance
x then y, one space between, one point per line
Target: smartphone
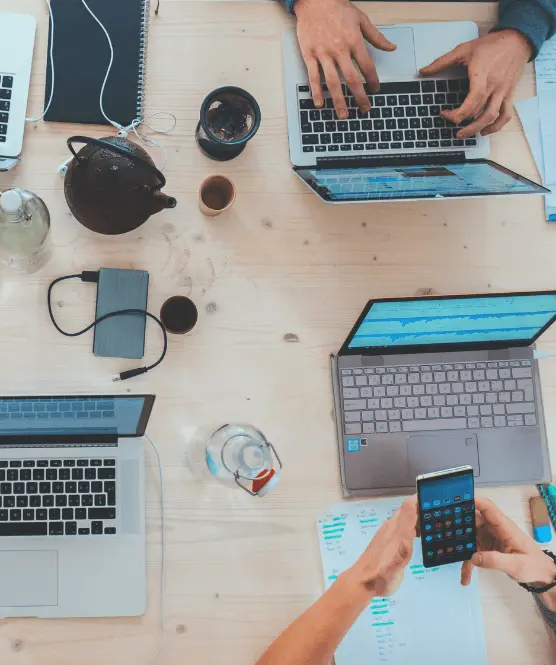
446 502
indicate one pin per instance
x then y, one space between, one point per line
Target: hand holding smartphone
446 503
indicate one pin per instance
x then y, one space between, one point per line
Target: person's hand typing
503 546
380 568
494 64
331 35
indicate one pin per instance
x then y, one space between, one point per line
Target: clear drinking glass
241 455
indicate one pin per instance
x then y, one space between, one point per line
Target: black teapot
112 185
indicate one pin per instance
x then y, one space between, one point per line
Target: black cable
93 276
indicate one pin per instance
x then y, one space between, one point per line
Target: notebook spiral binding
549 503
142 74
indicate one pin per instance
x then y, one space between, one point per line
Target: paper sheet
528 112
431 619
545 72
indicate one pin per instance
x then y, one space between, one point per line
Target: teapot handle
100 143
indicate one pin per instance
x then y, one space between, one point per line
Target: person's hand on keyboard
505 547
332 35
494 64
380 567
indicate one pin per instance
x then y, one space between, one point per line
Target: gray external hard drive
121 336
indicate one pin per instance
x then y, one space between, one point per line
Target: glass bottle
24 230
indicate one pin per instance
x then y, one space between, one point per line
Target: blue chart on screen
114 414
457 320
385 182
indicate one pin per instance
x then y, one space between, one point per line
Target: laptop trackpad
28 578
434 452
402 61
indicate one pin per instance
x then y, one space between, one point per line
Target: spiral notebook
82 55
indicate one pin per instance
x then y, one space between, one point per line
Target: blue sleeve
535 19
547 614
288 4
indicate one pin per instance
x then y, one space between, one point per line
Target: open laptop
17 39
435 382
403 149
72 514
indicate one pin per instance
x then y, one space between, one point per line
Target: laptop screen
432 321
473 178
118 415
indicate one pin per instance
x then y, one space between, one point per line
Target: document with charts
432 619
545 71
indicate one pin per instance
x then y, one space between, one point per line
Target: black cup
230 117
179 315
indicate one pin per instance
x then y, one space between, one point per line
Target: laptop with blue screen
354 180
434 382
403 148
72 505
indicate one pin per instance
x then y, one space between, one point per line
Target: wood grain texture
279 281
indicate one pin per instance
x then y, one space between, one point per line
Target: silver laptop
17 39
429 383
72 513
403 148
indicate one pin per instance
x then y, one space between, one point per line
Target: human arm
314 637
331 35
534 19
495 63
503 546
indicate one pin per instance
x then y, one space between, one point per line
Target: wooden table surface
278 280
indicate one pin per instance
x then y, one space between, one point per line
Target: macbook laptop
17 38
403 148
434 382
72 513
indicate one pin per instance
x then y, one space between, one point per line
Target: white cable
122 131
146 139
163 550
117 125
51 66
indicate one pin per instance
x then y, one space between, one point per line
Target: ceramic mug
217 193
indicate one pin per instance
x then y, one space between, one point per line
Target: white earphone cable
122 131
117 125
163 553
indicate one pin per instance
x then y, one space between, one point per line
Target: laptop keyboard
58 497
404 116
415 398
6 86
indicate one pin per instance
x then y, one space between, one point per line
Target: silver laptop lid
352 180
82 418
449 323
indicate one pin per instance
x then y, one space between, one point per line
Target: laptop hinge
419 159
74 441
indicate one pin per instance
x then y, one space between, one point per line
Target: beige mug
216 194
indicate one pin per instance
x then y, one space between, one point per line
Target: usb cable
92 276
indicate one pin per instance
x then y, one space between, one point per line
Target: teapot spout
162 201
